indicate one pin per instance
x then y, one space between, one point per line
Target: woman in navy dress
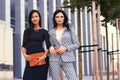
33 40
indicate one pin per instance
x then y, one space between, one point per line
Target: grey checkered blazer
70 40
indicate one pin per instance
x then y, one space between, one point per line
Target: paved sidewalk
5 78
7 75
85 78
47 79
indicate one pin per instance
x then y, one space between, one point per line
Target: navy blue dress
33 42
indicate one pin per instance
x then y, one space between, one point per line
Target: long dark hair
31 25
65 23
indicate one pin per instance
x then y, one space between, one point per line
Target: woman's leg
69 70
55 70
61 74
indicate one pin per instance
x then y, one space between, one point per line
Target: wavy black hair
65 23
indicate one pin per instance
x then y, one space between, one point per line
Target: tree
110 11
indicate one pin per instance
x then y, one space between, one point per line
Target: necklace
37 30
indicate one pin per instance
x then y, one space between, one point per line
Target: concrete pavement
8 75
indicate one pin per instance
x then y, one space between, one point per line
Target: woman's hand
62 50
41 59
53 51
27 57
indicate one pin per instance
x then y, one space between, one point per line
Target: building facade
15 14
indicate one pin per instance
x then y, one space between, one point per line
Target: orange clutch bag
35 58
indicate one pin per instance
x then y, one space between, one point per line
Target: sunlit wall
6 47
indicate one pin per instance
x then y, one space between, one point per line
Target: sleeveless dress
35 44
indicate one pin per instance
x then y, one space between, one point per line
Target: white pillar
32 4
43 11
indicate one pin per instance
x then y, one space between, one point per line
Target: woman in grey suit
64 42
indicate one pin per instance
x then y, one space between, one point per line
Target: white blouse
59 35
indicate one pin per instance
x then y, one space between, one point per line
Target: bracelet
45 56
66 48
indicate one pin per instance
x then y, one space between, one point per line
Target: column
51 9
32 4
44 13
58 3
73 20
90 42
19 28
85 40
